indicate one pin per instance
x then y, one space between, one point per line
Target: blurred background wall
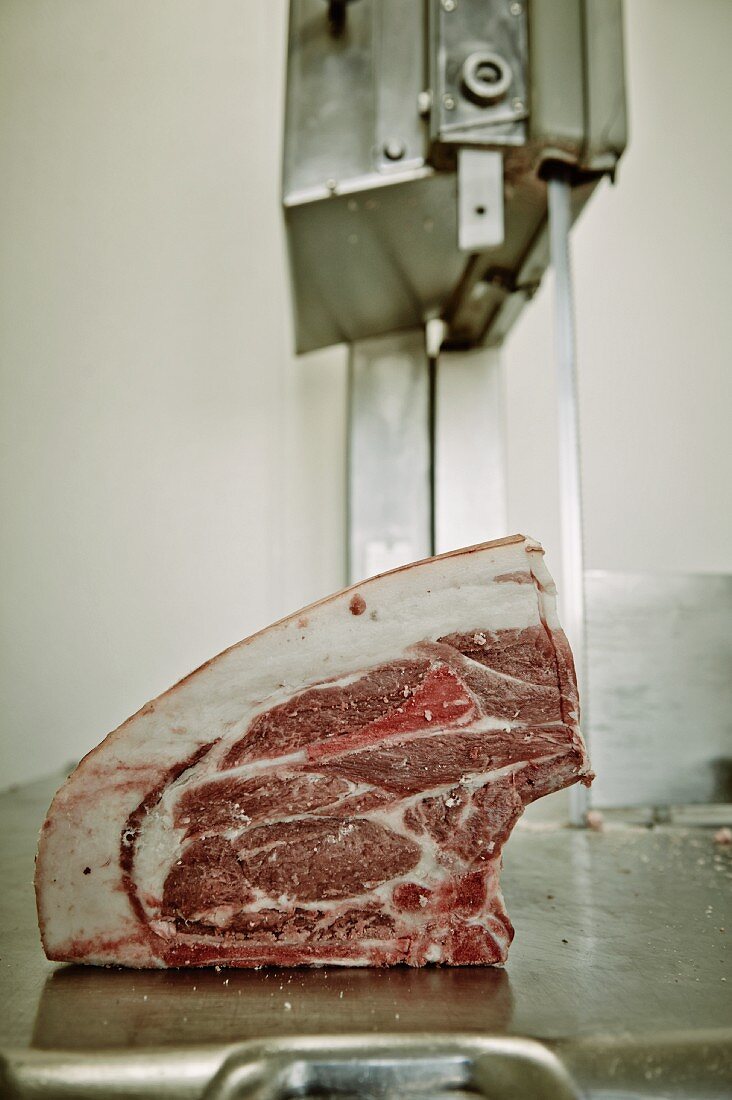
172 478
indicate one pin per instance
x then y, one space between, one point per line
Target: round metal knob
394 149
486 77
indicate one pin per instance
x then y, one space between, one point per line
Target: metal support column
426 462
390 453
572 589
470 461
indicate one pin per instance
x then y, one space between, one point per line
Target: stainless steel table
620 967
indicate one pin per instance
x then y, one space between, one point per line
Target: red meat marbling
334 790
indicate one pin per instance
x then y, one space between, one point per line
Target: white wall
654 323
172 478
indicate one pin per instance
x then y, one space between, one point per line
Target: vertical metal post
572 590
470 459
426 462
390 453
433 366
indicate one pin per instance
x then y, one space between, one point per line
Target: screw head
448 103
332 185
517 104
449 5
516 9
394 149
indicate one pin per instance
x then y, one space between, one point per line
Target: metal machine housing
377 118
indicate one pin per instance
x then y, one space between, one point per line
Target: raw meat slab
336 789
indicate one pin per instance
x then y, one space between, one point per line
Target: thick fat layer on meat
295 793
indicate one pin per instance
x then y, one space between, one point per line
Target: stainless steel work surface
620 935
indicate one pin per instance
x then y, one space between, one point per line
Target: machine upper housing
418 138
